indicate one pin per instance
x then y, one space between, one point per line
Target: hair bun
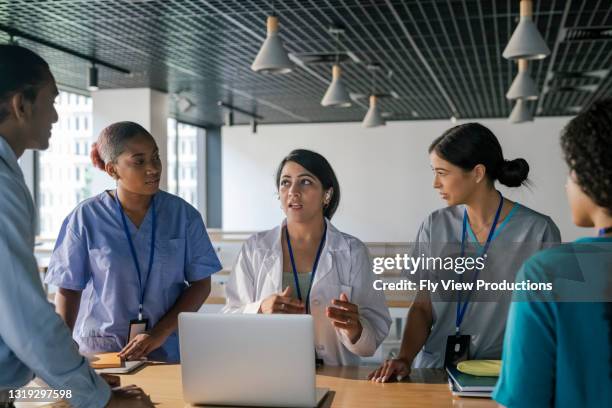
96 159
513 173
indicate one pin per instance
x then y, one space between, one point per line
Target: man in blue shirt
33 338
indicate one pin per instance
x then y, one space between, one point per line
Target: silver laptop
246 359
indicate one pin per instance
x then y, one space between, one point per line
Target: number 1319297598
37 394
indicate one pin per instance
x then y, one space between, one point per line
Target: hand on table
141 345
130 396
392 369
282 303
345 316
112 380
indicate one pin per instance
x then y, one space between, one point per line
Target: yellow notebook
482 368
106 360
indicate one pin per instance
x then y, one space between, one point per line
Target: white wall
384 173
147 107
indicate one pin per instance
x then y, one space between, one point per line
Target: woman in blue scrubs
559 353
128 261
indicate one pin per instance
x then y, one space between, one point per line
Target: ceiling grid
442 53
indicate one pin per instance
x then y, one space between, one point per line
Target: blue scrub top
558 353
92 254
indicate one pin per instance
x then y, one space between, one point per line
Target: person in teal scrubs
559 353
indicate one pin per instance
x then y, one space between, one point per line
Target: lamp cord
337 48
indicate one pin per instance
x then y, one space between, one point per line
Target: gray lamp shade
373 118
526 41
272 57
521 112
336 94
523 86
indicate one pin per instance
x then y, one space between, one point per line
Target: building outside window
65 172
182 181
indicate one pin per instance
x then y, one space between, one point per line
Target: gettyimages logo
412 265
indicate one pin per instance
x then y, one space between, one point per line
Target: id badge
457 349
137 327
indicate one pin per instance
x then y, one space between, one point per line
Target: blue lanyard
604 231
141 287
314 267
461 308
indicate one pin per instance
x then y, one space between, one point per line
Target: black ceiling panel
441 57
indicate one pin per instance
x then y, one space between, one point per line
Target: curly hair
587 145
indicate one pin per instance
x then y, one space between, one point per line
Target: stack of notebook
467 385
106 360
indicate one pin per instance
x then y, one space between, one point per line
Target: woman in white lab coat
275 268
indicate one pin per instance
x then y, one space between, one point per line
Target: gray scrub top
303 280
522 233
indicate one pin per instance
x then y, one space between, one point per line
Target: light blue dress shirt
92 254
33 338
557 353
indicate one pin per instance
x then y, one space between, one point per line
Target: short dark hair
587 146
112 140
21 70
470 144
321 169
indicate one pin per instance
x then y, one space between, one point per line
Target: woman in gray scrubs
467 160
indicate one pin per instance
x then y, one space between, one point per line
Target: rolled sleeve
202 260
69 263
366 345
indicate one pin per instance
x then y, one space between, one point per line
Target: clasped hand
343 314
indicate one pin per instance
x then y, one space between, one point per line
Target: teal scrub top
558 353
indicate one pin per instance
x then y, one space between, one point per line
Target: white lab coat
344 267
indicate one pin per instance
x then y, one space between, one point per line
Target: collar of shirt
271 239
8 156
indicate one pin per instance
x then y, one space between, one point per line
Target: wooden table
348 388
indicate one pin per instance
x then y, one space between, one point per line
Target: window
65 160
182 171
